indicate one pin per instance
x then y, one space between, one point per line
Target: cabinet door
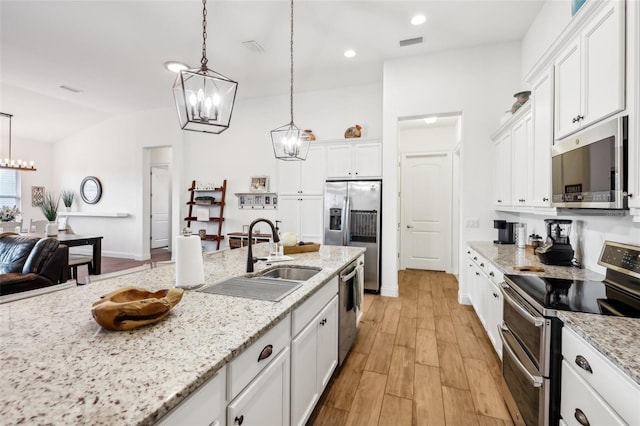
327 343
339 161
311 217
519 161
539 176
567 90
265 401
502 172
367 160
604 64
494 313
289 214
304 373
288 177
313 171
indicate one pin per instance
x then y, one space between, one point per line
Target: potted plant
49 208
67 198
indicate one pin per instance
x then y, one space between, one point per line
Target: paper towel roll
189 268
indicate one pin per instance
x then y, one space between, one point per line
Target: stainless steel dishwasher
348 329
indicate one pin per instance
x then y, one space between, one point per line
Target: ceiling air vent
253 46
410 41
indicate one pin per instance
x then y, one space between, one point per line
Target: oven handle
537 381
537 322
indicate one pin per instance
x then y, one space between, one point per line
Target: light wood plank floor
420 359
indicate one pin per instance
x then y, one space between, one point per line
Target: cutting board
530 268
306 248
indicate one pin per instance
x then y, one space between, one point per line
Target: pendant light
8 162
289 142
204 98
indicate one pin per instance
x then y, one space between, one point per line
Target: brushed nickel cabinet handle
264 354
239 420
581 417
583 363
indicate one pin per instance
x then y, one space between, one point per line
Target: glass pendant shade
204 100
290 143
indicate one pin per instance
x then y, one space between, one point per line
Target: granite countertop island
618 339
60 367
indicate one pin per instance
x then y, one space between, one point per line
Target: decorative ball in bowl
132 307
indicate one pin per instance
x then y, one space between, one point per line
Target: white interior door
160 206
426 211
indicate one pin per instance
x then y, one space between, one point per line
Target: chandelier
289 142
204 98
8 162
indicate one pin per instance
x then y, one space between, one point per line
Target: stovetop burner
548 295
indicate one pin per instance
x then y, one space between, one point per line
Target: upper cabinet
538 175
590 72
354 159
502 169
303 177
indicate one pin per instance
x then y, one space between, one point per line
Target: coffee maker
557 249
506 234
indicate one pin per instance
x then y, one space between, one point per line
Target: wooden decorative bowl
132 307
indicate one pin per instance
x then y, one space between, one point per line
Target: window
9 188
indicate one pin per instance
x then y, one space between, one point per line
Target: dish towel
358 285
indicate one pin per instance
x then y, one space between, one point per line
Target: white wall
427 139
477 82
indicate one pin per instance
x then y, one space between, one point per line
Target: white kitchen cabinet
354 160
521 142
502 169
493 305
538 178
265 401
590 72
314 357
205 406
303 216
592 384
303 177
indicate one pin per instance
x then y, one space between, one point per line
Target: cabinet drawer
581 401
612 385
310 308
247 366
205 406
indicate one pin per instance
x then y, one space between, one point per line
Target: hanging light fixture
289 142
8 162
204 98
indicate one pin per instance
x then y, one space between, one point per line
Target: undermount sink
272 285
290 273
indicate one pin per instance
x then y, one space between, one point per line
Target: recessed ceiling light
175 66
349 53
430 120
418 20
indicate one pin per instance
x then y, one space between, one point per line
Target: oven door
531 329
526 391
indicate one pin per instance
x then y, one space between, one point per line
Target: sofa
30 263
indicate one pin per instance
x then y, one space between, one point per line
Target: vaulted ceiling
114 51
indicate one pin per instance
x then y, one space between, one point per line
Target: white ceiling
115 50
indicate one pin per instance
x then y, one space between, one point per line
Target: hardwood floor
113 264
420 359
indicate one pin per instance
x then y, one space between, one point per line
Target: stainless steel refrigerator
352 217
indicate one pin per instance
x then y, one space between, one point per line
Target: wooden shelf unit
219 204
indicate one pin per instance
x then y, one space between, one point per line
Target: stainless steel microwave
589 168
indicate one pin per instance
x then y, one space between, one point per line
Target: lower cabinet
314 357
266 400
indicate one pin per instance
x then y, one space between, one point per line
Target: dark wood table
73 240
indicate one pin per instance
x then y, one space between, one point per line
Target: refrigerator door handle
346 232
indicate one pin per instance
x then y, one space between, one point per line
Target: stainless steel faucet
250 259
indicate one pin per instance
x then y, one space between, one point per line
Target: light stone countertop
58 366
618 339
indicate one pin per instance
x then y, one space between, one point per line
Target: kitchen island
60 367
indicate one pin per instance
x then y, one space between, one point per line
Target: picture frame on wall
259 184
37 195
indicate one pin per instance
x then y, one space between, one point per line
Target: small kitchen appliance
557 249
506 232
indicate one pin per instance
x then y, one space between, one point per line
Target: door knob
409 227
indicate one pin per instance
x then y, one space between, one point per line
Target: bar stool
76 260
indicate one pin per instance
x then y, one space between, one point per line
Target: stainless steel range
531 333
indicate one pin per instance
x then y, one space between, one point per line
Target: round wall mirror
91 190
